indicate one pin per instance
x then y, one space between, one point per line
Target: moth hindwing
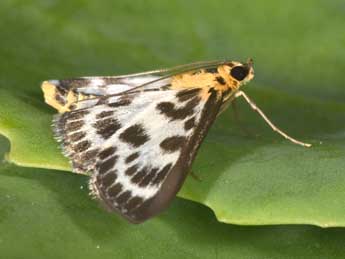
137 135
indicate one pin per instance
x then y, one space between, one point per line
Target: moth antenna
273 127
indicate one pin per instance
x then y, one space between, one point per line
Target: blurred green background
298 50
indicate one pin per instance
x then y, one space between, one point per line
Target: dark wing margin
177 174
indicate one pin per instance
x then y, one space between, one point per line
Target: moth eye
239 72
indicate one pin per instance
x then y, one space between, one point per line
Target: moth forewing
137 135
180 142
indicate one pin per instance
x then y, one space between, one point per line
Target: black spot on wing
134 135
102 100
77 115
104 114
165 87
131 170
172 144
105 166
82 146
169 110
106 127
61 90
115 190
60 98
149 177
166 108
76 136
72 106
187 94
74 125
89 156
162 174
139 175
107 152
152 89
189 124
132 157
109 178
123 102
133 203
123 197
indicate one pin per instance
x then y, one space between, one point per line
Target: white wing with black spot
138 146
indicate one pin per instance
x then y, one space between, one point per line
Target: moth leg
195 177
273 127
239 121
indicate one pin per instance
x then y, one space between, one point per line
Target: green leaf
47 214
299 61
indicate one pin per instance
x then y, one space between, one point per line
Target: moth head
240 73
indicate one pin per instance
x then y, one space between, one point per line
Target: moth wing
84 130
138 146
64 95
142 166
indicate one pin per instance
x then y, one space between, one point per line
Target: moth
137 135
